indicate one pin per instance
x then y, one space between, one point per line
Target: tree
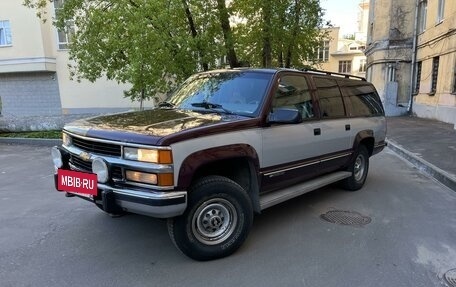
289 29
154 44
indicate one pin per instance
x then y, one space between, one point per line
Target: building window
440 11
323 51
454 80
454 83
422 13
345 66
435 74
362 65
5 33
418 78
64 36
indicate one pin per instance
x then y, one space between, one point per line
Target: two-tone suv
225 145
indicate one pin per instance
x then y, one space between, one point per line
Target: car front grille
86 166
97 147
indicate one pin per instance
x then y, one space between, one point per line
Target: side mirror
285 116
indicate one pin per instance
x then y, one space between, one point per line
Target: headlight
148 155
149 178
56 157
100 168
66 139
160 179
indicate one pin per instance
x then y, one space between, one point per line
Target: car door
335 139
291 151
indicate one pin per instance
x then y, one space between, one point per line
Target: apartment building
338 53
434 90
411 56
35 87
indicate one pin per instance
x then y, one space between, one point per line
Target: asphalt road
49 240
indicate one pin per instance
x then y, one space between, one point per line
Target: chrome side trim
282 171
276 197
336 157
279 172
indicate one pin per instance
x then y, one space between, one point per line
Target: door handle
347 127
317 132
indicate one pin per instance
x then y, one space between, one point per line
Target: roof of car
275 70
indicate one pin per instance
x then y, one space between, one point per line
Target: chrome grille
81 164
86 166
97 147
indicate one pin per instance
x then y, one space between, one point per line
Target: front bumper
159 204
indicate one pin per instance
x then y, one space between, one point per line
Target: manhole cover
343 217
450 277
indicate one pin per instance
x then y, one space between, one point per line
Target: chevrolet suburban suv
225 145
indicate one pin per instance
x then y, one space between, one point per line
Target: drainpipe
412 76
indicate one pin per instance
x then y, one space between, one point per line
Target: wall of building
35 85
437 40
389 52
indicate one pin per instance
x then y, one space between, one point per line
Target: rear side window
330 98
364 101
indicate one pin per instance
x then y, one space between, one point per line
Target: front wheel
359 169
216 222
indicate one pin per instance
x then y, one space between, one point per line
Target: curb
31 141
440 175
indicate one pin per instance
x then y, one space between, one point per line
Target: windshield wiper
211 106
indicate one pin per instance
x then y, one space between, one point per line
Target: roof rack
347 76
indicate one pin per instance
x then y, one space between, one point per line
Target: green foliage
34 134
153 44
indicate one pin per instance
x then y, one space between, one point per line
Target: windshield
236 92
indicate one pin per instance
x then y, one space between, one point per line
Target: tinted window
293 92
364 100
330 98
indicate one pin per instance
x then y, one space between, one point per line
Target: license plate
77 182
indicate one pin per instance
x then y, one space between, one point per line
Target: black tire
359 169
217 220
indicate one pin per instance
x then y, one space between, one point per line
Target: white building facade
35 87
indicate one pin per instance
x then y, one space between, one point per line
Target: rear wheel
216 222
359 169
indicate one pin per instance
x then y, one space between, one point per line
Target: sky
342 13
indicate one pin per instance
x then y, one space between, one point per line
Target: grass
37 134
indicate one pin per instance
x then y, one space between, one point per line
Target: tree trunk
294 33
281 40
192 27
267 49
227 34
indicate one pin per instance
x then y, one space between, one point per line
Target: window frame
418 71
345 66
63 37
5 33
362 66
454 79
440 11
323 48
435 75
422 15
